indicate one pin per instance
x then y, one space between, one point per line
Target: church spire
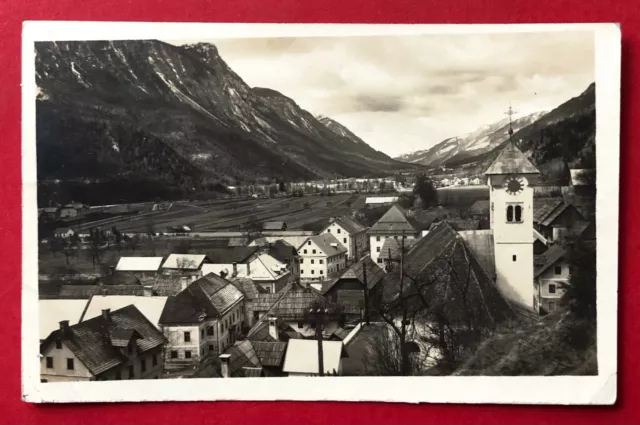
511 113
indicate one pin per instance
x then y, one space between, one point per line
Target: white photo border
568 390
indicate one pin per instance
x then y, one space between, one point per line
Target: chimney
333 244
185 282
64 325
235 269
224 364
147 290
106 313
273 328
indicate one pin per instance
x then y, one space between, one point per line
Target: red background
13 12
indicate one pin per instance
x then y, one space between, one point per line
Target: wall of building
176 343
547 300
376 242
59 372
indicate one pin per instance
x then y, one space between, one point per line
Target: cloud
400 93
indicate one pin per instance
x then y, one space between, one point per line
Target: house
63 233
551 277
285 253
391 253
116 345
351 234
246 359
394 223
321 257
274 225
142 267
53 311
301 358
68 211
291 307
166 285
181 263
150 307
204 318
380 201
347 290
475 181
559 221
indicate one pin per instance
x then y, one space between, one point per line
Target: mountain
555 141
147 119
479 141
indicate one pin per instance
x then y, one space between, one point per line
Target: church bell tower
511 178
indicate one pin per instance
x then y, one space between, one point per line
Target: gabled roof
172 284
302 356
265 267
396 221
542 207
553 215
184 261
350 225
324 241
511 160
207 297
374 274
242 355
150 307
549 258
52 312
92 341
282 251
139 264
444 264
274 225
247 286
270 354
232 254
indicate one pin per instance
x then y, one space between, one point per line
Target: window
321 261
378 249
313 251
321 271
43 381
510 213
377 238
58 344
154 360
313 261
514 258
308 242
552 288
558 270
131 372
301 271
328 230
49 362
201 333
143 365
312 271
339 231
187 337
344 240
300 325
210 330
174 354
514 214
268 289
70 365
518 213
305 251
118 375
379 260
210 347
301 261
187 354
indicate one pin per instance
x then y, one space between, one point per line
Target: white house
550 279
351 234
321 257
140 266
63 233
395 223
301 358
264 270
204 318
180 263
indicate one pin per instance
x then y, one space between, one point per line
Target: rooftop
328 244
350 225
184 261
274 225
396 221
150 307
139 264
511 160
302 356
549 258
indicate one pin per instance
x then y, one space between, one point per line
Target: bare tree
383 354
186 263
95 242
252 228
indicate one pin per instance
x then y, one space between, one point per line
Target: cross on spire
510 112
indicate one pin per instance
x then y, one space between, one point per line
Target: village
357 294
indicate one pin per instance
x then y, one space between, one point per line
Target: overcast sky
405 93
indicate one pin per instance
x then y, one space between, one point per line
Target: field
209 216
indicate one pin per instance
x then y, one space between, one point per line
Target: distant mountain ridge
176 120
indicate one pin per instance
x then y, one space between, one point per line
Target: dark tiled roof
242 355
263 302
324 241
463 224
443 264
550 218
543 206
95 342
260 331
294 302
349 224
247 286
396 221
171 284
274 225
549 258
232 254
270 353
282 251
209 296
374 274
511 160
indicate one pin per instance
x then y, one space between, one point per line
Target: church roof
511 160
396 221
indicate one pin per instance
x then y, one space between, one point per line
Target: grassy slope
559 344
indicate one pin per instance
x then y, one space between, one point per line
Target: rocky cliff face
176 118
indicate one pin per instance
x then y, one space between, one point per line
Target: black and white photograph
414 214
